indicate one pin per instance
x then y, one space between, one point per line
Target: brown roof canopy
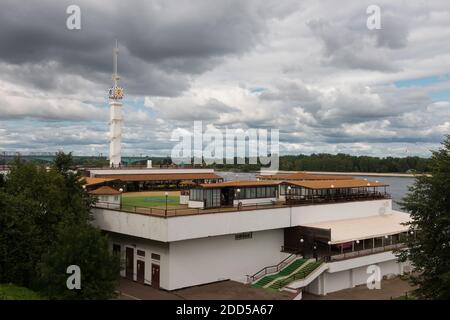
105 191
162 177
239 183
303 176
335 184
93 181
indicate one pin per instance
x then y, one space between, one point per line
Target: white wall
222 223
149 247
199 261
138 225
196 204
336 211
254 201
184 199
353 272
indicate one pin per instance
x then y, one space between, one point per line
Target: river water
398 186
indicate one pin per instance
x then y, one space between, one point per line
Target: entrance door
140 271
129 263
155 276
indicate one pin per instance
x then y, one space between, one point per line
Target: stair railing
271 269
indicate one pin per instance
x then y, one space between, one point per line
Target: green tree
85 247
428 202
37 206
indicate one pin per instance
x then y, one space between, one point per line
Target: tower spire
115 124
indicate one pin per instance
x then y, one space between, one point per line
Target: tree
40 208
428 202
83 246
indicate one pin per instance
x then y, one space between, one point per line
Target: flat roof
160 177
335 184
105 190
239 183
303 176
363 228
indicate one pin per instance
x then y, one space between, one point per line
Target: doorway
129 263
155 276
140 276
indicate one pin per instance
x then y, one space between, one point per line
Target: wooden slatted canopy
105 191
335 184
303 176
93 181
162 177
240 183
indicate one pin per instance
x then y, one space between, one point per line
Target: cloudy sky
311 69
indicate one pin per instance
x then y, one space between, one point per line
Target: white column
115 132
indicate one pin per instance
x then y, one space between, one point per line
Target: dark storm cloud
161 42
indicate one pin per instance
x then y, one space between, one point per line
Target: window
243 236
140 253
116 198
116 249
156 256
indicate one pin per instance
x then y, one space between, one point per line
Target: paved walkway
389 288
225 290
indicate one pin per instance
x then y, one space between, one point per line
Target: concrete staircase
285 272
301 273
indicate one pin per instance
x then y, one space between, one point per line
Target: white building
347 225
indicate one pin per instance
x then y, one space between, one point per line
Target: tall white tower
115 123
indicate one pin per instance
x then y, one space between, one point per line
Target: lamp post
166 194
120 198
301 245
329 250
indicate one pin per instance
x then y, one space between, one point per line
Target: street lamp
166 194
120 190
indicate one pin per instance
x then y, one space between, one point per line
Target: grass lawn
149 201
13 292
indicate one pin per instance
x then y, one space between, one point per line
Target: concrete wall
254 201
353 272
138 225
196 204
184 199
223 223
199 261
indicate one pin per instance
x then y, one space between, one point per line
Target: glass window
156 256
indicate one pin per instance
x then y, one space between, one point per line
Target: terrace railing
183 211
364 252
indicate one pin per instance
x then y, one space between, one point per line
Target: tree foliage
40 210
428 202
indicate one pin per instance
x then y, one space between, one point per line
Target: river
398 186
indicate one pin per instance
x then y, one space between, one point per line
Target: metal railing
271 269
364 252
183 211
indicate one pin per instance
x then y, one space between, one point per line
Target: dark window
156 256
244 235
141 253
116 248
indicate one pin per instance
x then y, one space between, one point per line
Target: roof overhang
348 230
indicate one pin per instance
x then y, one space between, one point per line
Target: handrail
277 267
301 274
170 212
